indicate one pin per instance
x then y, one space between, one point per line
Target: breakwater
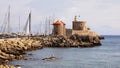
14 49
72 41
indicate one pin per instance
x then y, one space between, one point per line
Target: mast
40 28
8 19
19 23
3 27
46 27
6 24
30 23
49 26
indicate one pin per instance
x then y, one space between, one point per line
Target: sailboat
5 28
27 27
5 31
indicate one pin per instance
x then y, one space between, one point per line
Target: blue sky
102 16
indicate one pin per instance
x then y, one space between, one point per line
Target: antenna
75 18
79 17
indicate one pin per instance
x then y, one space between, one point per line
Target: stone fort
78 27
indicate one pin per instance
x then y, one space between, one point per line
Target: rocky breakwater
72 41
14 49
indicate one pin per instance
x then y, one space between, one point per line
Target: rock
15 48
101 37
30 54
72 41
7 66
18 66
49 58
96 41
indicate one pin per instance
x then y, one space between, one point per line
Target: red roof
58 22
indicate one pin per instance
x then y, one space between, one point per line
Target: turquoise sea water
105 56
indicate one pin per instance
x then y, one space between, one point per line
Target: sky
102 16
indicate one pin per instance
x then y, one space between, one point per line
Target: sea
105 56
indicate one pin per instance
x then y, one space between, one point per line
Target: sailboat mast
19 23
30 22
40 28
9 19
49 26
46 27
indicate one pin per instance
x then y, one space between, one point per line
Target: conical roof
58 22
